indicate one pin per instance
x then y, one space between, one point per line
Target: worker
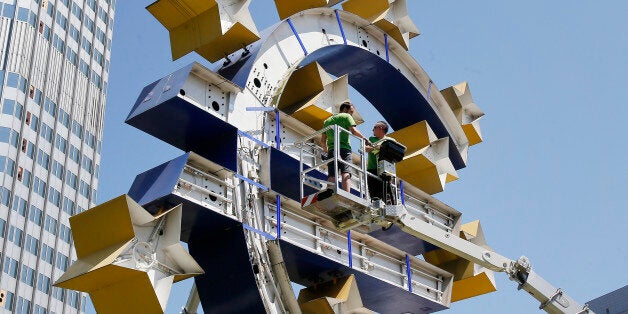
377 186
345 120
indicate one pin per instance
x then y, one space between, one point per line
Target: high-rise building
615 302
54 64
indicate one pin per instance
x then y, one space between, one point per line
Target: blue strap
386 45
409 272
243 178
250 137
298 38
342 30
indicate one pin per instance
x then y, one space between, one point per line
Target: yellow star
127 259
391 16
212 28
466 111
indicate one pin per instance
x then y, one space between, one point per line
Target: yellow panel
237 37
178 278
421 173
371 10
450 178
313 116
454 102
172 13
195 25
103 277
303 83
472 133
318 306
92 229
286 8
472 287
195 32
89 263
472 228
393 31
338 289
133 295
414 137
439 257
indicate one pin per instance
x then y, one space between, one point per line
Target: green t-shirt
344 120
371 163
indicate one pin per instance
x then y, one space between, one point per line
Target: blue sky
549 180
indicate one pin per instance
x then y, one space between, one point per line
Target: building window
57 169
43 159
64 233
74 154
8 304
27 276
70 179
39 309
84 189
8 106
46 132
39 187
32 245
50 107
68 206
51 225
64 118
19 205
73 299
47 254
23 306
77 11
43 283
10 267
16 235
35 215
77 129
54 196
3 225
62 262
61 143
58 293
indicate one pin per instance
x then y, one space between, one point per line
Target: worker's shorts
345 154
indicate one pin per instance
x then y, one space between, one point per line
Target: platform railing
310 150
311 236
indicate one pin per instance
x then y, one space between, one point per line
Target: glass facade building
54 64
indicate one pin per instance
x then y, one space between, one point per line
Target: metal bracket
558 298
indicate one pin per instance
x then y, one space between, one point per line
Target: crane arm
553 300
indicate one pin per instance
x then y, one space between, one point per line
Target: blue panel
165 88
228 285
306 268
285 177
390 92
157 182
188 127
403 241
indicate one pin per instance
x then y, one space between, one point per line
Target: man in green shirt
346 121
375 184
